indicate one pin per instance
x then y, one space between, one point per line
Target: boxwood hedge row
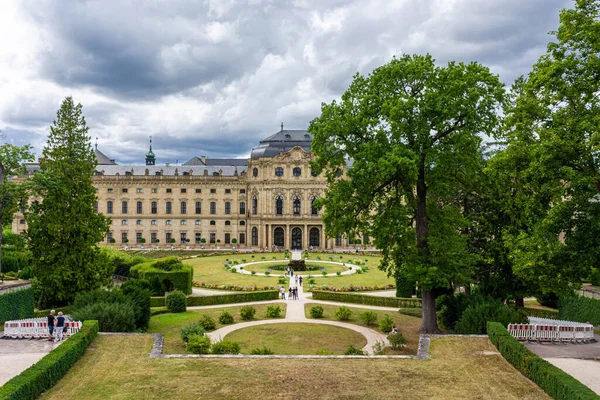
44 374
222 299
554 381
366 299
16 305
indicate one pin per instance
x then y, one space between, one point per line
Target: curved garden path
295 313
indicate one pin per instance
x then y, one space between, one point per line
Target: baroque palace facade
263 202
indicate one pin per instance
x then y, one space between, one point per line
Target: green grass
211 270
170 324
407 325
535 304
262 267
118 367
297 338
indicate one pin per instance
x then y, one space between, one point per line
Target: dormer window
288 136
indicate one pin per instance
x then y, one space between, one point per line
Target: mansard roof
240 162
284 140
102 158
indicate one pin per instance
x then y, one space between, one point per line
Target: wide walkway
18 355
295 313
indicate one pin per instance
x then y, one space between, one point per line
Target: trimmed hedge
167 269
413 312
222 299
579 309
366 299
535 312
44 374
16 305
554 381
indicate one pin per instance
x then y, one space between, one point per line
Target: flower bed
235 288
352 288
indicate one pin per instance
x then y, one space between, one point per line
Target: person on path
295 293
296 280
282 293
59 326
291 293
291 272
300 281
51 321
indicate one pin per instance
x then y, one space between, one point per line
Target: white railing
36 328
551 330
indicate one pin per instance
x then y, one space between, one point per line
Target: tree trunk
468 289
519 303
429 323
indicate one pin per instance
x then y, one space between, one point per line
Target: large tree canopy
409 135
555 120
63 228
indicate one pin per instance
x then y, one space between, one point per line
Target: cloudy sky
214 77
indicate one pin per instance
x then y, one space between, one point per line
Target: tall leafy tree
63 227
409 136
556 117
12 195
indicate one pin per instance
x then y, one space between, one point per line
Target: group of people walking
56 326
293 293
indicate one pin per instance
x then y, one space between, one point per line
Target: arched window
278 237
296 205
278 171
213 223
314 237
297 171
279 205
255 172
242 223
227 223
254 205
255 236
313 173
338 240
313 209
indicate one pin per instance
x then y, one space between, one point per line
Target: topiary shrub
139 291
273 311
198 344
112 317
451 307
475 318
386 324
396 340
549 299
368 317
225 347
176 301
353 351
247 313
404 286
343 313
264 351
579 309
316 312
595 276
194 328
208 322
225 318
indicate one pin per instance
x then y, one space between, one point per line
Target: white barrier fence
36 328
551 330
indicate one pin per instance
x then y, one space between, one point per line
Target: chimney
203 159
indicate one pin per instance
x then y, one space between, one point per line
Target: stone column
323 242
286 237
305 243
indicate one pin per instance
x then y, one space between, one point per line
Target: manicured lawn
170 324
407 325
297 338
536 305
211 270
118 367
262 267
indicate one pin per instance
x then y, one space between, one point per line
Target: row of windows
182 238
296 171
296 207
182 190
169 222
169 207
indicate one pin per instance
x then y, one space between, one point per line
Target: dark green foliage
63 227
413 312
163 273
551 379
353 351
451 307
14 261
247 313
368 317
176 301
595 276
26 273
316 312
225 347
121 262
535 312
404 286
579 309
157 286
549 299
475 318
366 299
273 311
16 305
168 264
222 299
386 324
396 340
138 291
112 317
198 344
208 322
44 374
343 313
226 318
264 351
194 328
